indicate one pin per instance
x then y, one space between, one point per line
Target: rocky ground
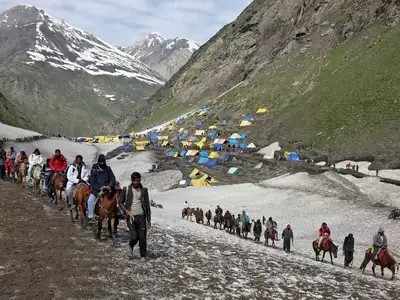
44 256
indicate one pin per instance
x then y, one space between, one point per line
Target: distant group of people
134 199
271 231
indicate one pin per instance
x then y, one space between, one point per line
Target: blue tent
211 163
242 146
203 160
293 156
218 147
203 153
233 142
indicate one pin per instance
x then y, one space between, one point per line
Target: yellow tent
140 147
201 182
213 155
212 127
262 110
141 143
163 138
165 143
194 173
245 123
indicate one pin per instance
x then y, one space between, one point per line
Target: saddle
384 258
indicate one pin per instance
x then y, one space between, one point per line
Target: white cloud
123 21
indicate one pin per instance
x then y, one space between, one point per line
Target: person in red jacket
324 232
57 164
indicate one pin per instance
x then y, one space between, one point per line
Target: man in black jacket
135 200
348 250
101 175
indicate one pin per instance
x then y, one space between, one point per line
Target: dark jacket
348 244
257 228
287 234
100 177
127 198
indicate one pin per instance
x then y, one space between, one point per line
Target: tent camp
262 110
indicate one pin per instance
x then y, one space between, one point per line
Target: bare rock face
66 80
165 56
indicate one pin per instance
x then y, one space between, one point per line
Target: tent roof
213 155
212 127
219 141
235 136
233 171
262 110
251 146
195 172
192 153
245 123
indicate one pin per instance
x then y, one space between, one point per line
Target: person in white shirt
77 173
35 159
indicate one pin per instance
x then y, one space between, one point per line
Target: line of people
134 200
242 224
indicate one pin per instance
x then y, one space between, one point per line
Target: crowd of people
243 223
134 202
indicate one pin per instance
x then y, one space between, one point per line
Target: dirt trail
44 256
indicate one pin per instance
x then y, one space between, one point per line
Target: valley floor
44 256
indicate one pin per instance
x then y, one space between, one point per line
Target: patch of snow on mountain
193 46
84 52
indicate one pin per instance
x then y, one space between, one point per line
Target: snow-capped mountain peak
63 46
166 56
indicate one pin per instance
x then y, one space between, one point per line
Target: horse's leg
373 269
330 253
323 256
393 269
110 234
382 271
99 228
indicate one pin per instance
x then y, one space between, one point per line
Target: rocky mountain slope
66 80
327 71
11 115
165 56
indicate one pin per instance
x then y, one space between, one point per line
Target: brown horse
383 259
80 197
58 182
107 208
270 234
326 246
22 171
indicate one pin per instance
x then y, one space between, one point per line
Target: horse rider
2 163
324 233
379 242
10 162
271 227
218 210
101 175
20 159
257 230
35 159
287 236
57 164
135 201
77 173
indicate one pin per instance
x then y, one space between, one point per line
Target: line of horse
384 259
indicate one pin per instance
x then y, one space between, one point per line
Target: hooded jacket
101 176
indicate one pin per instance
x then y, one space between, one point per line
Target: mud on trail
44 256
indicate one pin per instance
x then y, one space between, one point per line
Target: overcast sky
121 22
